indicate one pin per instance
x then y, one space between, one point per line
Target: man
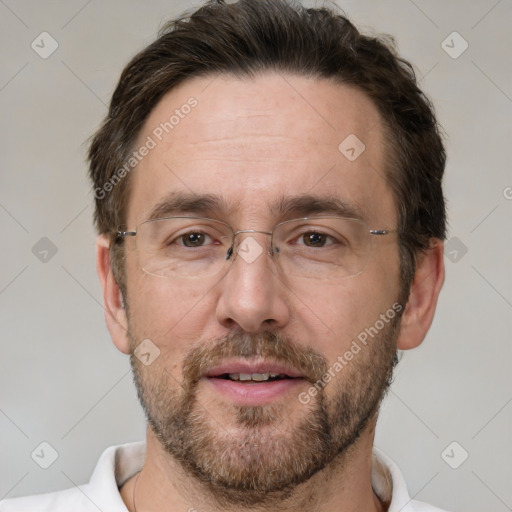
269 203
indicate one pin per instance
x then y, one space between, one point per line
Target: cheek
331 316
377 294
327 316
171 315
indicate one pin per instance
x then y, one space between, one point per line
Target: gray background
61 379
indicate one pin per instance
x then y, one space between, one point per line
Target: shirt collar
119 463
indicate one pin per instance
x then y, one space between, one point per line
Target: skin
253 141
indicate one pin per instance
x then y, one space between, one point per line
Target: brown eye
193 239
314 239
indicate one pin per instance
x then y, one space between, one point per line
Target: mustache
269 345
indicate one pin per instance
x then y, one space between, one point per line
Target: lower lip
255 393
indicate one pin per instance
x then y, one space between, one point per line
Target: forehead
255 142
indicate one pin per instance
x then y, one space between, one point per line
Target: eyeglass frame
378 232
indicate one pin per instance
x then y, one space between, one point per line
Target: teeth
258 377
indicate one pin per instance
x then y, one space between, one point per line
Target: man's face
254 143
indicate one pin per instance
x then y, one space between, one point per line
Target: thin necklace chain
134 487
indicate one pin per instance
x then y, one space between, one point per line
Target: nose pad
248 248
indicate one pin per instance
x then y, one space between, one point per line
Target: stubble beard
260 456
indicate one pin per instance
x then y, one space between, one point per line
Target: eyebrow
307 204
183 202
177 203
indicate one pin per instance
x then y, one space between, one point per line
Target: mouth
253 377
257 383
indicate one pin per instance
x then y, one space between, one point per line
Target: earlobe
421 306
115 314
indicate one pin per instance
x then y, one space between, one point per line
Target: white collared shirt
118 463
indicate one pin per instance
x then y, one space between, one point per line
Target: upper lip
244 366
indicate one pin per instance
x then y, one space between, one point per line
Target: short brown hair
252 36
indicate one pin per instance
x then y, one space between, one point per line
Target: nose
253 295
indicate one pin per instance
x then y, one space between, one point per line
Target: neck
343 486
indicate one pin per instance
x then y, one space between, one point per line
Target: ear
115 314
420 308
